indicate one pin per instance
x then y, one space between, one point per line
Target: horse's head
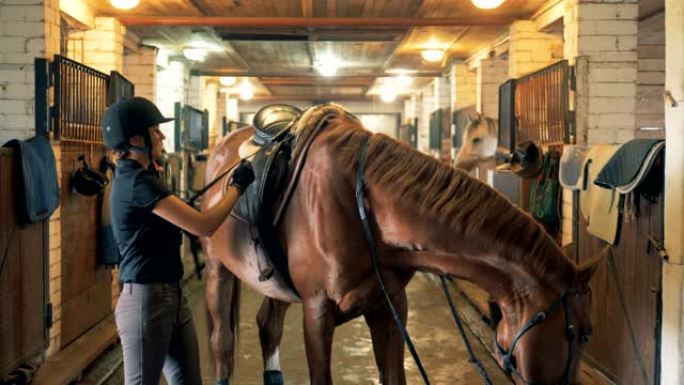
479 142
544 343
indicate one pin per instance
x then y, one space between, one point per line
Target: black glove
243 175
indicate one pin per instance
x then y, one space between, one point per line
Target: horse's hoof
273 377
223 382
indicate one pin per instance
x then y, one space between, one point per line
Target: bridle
509 362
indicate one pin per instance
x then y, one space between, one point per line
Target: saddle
276 173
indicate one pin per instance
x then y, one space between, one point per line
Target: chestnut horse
426 217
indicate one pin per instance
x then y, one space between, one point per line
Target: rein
509 362
374 258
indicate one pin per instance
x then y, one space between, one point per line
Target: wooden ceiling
278 42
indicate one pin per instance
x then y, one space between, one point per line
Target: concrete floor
430 324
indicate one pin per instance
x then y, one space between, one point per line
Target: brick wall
465 87
530 50
140 68
171 87
602 39
490 74
101 48
650 77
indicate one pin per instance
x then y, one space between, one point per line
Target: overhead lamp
327 65
124 4
246 90
195 53
432 54
227 80
487 4
404 80
388 94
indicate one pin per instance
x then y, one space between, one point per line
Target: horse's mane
452 197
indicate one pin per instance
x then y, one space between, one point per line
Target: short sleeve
148 190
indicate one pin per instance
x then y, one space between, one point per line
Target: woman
152 316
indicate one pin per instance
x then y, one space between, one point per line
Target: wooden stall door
638 268
86 286
22 278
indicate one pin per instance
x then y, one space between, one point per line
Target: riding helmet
130 117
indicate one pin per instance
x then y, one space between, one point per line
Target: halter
509 362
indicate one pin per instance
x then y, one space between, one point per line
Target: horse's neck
430 246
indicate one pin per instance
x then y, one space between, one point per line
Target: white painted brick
36 13
13 44
607 12
613 75
36 46
611 121
627 42
654 78
598 42
623 136
19 58
651 65
611 105
607 27
612 89
611 56
16 91
21 29
595 136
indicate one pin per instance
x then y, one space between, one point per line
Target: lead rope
473 359
374 258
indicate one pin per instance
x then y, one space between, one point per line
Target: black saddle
271 171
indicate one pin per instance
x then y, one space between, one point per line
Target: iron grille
196 128
81 96
120 88
542 105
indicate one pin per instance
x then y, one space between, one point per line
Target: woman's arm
200 223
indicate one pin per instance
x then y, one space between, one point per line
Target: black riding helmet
127 118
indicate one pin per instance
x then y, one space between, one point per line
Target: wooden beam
280 22
307 8
334 82
311 75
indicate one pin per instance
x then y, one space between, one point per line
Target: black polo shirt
149 245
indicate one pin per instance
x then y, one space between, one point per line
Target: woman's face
157 138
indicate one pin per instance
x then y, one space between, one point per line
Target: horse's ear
587 268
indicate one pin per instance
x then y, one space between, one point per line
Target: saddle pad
629 165
571 166
598 204
35 179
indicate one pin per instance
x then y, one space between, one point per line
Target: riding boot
273 377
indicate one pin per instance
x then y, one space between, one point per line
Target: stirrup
266 274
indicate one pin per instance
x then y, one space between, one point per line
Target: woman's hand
243 175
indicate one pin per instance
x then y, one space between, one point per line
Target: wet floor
430 324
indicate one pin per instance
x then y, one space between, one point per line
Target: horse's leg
222 295
319 325
388 344
270 319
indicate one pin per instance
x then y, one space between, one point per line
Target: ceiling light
404 80
246 90
388 94
124 4
432 54
487 4
327 65
227 80
195 53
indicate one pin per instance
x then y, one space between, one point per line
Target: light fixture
404 80
433 54
246 90
487 4
195 53
227 80
327 65
388 94
124 4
